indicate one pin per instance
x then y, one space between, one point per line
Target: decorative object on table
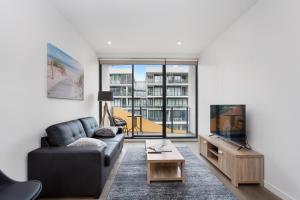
106 132
158 149
11 189
65 75
105 96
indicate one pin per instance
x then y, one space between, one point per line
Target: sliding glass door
148 95
120 84
154 100
180 100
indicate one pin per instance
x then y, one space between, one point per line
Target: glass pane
120 83
148 99
180 100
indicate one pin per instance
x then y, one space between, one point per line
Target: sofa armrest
67 171
5 179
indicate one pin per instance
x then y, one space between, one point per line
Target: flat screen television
229 122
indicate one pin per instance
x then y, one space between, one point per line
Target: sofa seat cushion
118 138
21 190
65 133
90 125
110 152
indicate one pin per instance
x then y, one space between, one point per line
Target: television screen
229 121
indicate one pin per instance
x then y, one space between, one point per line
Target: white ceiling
151 28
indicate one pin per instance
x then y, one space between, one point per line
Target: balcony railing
120 82
177 117
122 93
168 81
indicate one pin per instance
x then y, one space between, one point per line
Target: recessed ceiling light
179 43
109 42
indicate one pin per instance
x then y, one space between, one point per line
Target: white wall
256 62
105 87
192 99
25 110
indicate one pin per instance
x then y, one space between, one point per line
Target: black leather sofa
73 171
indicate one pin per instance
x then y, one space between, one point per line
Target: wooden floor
244 192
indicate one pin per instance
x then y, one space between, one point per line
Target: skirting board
277 191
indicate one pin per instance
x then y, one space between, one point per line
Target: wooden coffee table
165 166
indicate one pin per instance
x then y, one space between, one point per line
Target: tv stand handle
220 152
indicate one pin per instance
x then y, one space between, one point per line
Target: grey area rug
131 181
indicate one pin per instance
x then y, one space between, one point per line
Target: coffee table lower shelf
169 171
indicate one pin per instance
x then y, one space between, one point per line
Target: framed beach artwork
65 75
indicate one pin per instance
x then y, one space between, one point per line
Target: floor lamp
105 96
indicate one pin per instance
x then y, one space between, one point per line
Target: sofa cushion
86 142
65 133
118 138
110 152
106 132
90 125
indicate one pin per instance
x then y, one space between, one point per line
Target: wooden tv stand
240 166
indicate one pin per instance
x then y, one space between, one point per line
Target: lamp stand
105 110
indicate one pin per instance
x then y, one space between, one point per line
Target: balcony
148 120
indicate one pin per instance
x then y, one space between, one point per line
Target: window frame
164 78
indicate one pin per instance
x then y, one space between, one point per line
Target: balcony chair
11 189
118 121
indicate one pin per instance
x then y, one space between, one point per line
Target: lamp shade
105 96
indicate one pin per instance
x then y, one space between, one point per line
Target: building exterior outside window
148 95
